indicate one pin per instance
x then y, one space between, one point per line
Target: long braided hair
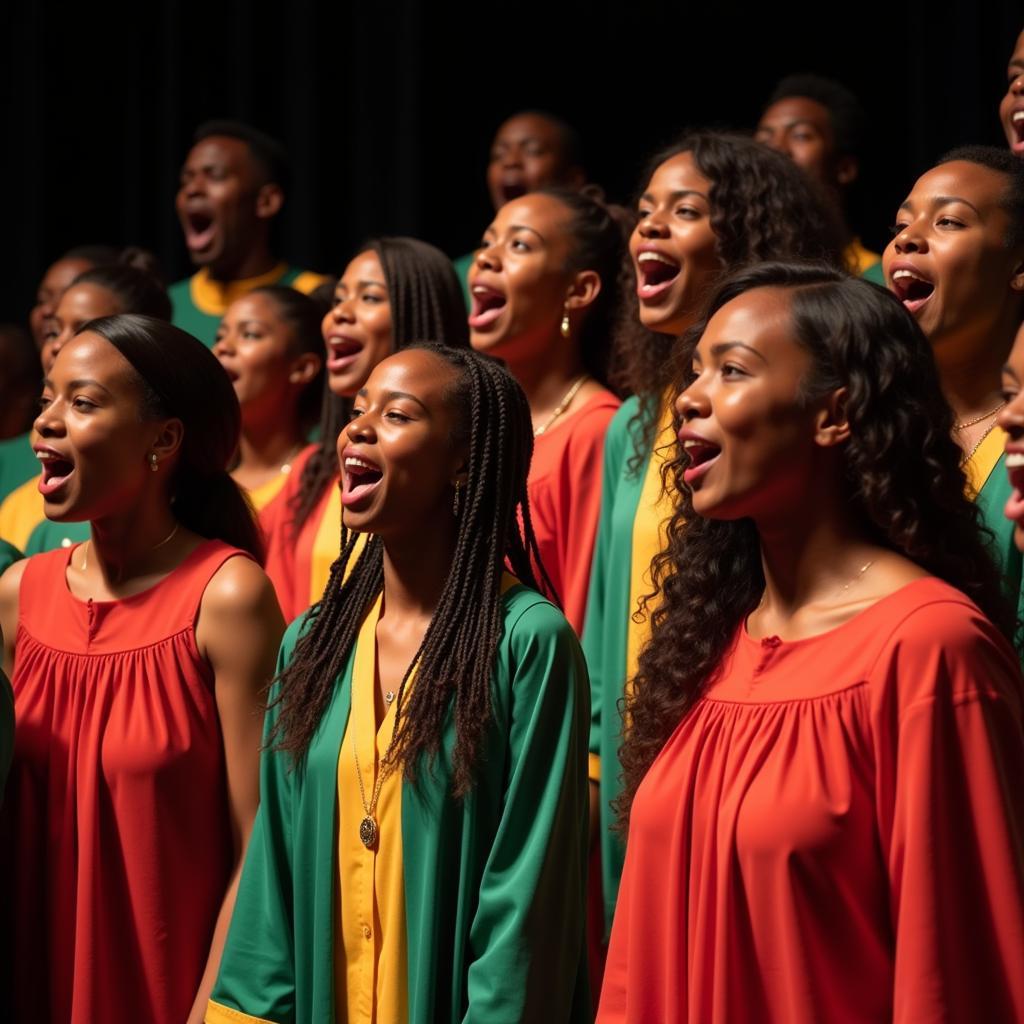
426 302
456 657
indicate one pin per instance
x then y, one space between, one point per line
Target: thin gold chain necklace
957 427
88 546
563 404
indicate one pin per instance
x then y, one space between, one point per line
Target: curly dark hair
456 657
426 305
902 472
763 207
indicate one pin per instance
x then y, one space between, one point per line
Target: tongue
486 309
54 476
200 238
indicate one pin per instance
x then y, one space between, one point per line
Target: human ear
831 424
168 439
584 290
304 368
1017 280
847 169
269 201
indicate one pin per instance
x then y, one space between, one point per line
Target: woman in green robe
439 876
956 261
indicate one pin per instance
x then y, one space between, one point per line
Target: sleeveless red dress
118 835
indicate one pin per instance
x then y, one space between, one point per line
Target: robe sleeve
594 625
950 802
581 486
527 935
256 980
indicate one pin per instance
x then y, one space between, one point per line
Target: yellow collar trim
213 297
980 465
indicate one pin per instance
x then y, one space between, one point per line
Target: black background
388 108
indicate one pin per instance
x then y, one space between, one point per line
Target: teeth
1018 117
1015 461
45 456
352 461
654 257
898 275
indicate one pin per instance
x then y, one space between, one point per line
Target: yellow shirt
326 544
21 512
980 465
260 497
213 297
649 538
371 976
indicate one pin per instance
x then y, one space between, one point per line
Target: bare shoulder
238 588
10 588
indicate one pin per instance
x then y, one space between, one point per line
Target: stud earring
566 326
153 461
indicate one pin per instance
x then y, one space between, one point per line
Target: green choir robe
494 885
605 628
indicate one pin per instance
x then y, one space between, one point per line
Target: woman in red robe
825 739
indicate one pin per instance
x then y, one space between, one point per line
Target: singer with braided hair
421 841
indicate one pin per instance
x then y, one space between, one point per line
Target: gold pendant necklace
957 427
369 830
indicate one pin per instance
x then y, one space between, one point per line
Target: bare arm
238 631
10 587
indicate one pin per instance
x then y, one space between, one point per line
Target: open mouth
55 472
911 288
342 353
512 190
359 480
1017 126
701 454
200 230
655 273
1014 509
488 305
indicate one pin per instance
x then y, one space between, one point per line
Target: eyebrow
524 227
391 395
722 347
81 382
944 201
681 193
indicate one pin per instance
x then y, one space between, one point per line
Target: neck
253 261
810 550
970 371
266 446
121 545
545 381
416 567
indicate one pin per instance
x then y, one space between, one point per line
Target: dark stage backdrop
388 107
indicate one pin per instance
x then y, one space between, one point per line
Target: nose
692 402
358 429
49 422
512 157
1017 85
910 239
487 257
652 226
1011 416
343 311
224 345
52 349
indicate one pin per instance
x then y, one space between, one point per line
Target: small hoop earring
153 462
566 327
457 500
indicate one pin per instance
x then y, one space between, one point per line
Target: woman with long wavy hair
420 849
824 739
709 204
